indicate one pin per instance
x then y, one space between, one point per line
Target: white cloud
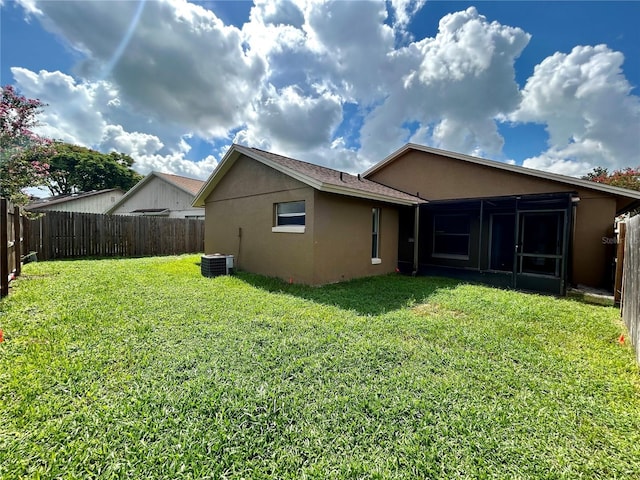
588 109
73 113
83 114
277 12
404 10
282 80
180 62
453 85
177 164
136 144
355 45
294 121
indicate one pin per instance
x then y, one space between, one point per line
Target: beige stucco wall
594 220
342 243
335 246
440 178
157 193
240 215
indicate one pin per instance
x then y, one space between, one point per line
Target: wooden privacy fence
59 235
630 304
11 243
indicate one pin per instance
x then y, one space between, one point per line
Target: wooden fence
11 243
630 303
59 235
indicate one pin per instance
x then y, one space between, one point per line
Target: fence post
4 248
17 234
617 288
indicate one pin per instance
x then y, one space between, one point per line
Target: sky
546 85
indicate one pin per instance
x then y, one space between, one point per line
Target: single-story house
161 195
97 201
420 210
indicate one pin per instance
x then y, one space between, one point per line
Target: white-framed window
290 217
375 236
451 235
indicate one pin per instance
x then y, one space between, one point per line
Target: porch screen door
540 253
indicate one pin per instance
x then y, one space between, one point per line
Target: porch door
540 261
502 241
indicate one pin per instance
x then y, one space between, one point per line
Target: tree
625 178
21 151
73 168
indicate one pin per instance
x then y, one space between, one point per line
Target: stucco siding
248 177
343 235
440 178
592 257
239 219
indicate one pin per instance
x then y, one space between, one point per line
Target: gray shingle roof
340 180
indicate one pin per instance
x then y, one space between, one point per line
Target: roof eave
504 166
221 169
236 150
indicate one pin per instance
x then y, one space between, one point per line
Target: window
451 236
289 217
375 236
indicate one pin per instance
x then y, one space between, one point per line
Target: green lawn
145 369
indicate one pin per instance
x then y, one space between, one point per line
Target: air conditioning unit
216 265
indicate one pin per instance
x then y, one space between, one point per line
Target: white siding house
161 194
88 202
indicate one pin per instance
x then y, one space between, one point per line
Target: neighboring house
88 202
161 194
422 210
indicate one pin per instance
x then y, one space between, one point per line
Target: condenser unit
216 265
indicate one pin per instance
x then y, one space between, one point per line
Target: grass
145 369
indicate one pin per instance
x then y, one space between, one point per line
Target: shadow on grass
366 296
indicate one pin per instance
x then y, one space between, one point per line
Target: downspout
572 240
416 238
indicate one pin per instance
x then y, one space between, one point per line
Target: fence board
4 248
12 240
630 304
59 235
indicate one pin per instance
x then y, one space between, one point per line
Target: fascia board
576 182
230 158
221 169
390 158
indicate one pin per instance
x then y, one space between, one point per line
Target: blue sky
549 85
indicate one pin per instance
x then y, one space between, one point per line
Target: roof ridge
176 175
303 161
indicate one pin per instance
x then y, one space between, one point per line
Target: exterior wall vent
216 265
